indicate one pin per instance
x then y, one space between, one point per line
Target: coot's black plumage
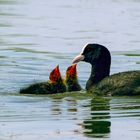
99 82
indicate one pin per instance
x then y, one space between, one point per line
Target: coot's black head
94 54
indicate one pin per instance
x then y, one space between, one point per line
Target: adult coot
99 82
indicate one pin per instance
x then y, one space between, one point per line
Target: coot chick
72 79
54 85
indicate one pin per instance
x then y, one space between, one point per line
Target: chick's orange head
55 74
71 71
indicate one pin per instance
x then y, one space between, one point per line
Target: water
69 118
35 36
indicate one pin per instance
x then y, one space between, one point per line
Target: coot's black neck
99 70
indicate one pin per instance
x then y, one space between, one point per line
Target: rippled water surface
35 36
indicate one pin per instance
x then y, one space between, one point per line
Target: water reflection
55 107
98 125
73 117
72 106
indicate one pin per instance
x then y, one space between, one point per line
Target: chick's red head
71 71
55 75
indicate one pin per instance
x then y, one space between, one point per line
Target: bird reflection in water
65 107
99 124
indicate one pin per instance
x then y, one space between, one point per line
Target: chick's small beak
78 58
74 66
73 69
